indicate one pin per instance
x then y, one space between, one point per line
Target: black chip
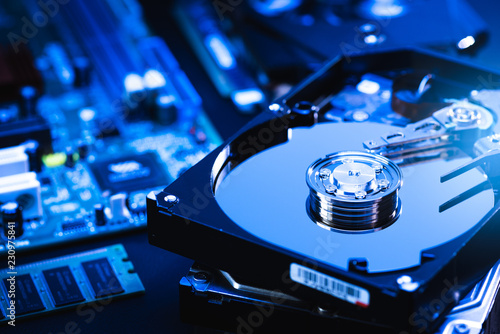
27 299
46 181
129 173
73 225
102 278
106 127
63 286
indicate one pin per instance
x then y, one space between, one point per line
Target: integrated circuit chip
129 173
62 286
102 278
78 279
27 299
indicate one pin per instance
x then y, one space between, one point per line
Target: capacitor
27 102
83 149
136 97
70 157
118 207
81 66
12 219
165 109
32 150
100 216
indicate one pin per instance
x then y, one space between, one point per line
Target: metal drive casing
243 209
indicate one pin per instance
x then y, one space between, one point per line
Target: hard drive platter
266 195
370 191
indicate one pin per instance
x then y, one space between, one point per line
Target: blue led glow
466 42
274 7
368 86
133 83
154 79
248 97
382 8
220 51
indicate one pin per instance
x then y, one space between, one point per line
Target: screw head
274 107
464 116
404 279
201 276
384 184
461 328
171 199
368 28
360 194
406 283
377 168
304 108
370 39
324 173
331 189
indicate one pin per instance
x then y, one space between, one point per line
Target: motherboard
95 112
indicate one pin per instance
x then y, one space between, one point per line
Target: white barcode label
333 286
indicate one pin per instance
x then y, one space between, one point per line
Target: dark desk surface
157 311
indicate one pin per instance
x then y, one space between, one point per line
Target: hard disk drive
369 192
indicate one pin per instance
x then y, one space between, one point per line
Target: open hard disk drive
365 200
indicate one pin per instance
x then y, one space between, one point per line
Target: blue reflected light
274 7
382 8
153 79
220 52
133 83
368 86
248 97
466 42
385 10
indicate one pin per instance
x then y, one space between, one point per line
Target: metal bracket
445 126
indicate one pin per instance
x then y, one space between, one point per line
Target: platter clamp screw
331 189
461 328
360 194
325 173
384 184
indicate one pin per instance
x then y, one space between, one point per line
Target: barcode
330 285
